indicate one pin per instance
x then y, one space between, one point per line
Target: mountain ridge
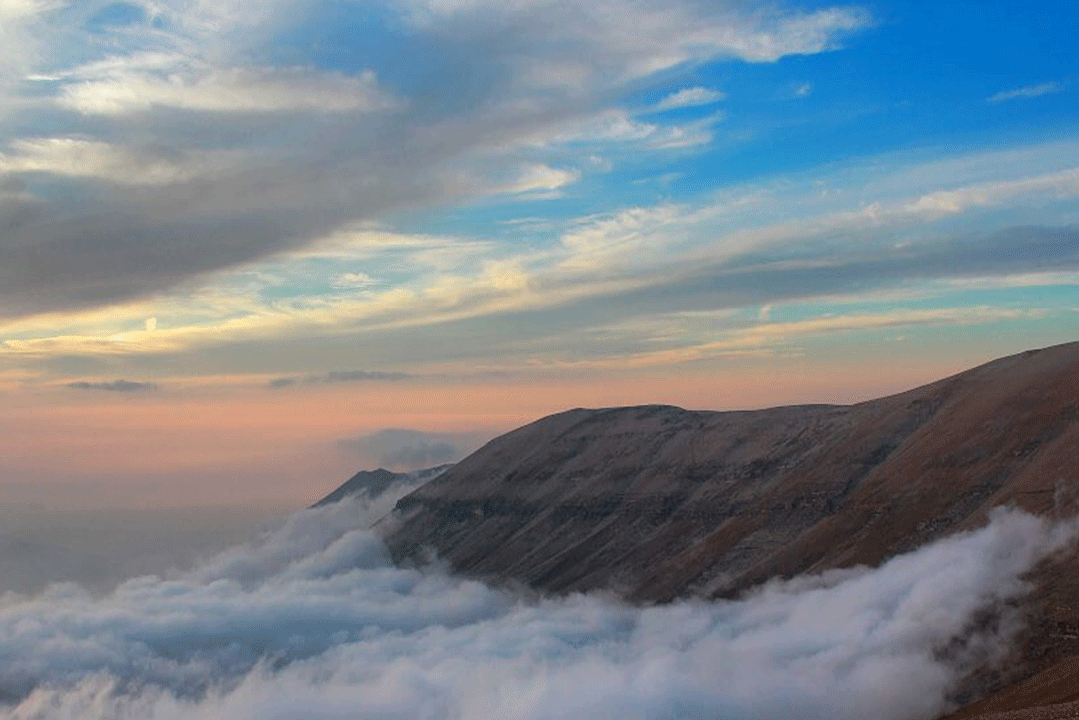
657 503
658 475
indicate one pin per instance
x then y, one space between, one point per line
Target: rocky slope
657 502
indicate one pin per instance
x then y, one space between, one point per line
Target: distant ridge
657 503
376 482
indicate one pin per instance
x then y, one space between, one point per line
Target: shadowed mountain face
657 502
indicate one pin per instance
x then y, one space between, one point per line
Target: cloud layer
150 144
312 620
121 386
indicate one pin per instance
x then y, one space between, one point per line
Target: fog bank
312 620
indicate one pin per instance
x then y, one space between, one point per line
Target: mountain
658 503
661 502
376 482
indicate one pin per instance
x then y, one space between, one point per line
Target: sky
247 249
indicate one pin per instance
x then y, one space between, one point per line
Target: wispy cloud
128 165
340 376
687 337
353 280
236 160
15 9
251 90
690 97
743 247
1029 91
121 386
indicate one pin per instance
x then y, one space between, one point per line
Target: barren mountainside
658 503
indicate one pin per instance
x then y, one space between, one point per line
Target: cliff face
657 502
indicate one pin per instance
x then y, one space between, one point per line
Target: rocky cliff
657 502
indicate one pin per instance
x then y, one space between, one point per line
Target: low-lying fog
99 548
311 620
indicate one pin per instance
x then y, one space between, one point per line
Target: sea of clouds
313 621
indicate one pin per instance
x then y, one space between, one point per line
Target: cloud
340 376
1030 91
353 280
122 386
693 336
406 449
525 327
76 158
690 97
804 90
224 158
232 90
16 9
543 179
883 225
312 619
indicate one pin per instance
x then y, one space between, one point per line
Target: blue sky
577 202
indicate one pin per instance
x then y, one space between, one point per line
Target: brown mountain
657 502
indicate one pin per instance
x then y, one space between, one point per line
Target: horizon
246 252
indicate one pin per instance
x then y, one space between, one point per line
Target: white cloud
75 157
628 237
804 90
646 38
17 9
1030 91
1061 184
312 620
537 178
688 337
508 85
896 318
353 280
23 41
690 97
230 90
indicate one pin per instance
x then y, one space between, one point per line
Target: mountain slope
657 502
